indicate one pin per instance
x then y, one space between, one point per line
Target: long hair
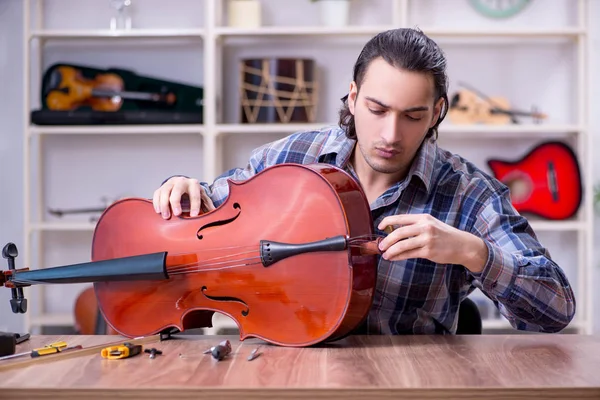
404 48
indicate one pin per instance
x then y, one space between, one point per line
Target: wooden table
359 367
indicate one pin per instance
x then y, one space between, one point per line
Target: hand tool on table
124 350
41 351
153 352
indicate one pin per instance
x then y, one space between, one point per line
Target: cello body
214 263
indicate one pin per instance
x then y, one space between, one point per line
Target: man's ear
352 96
437 110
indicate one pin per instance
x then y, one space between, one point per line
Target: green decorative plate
499 8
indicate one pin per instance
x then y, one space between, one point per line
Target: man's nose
391 130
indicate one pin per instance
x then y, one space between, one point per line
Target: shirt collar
423 165
338 150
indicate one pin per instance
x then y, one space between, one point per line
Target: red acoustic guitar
546 182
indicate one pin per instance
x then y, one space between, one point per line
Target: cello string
201 267
354 242
198 270
178 267
354 239
196 267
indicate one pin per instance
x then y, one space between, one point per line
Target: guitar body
546 182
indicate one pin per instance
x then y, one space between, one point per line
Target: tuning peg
18 302
10 252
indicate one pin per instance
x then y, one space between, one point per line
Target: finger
194 193
156 200
164 201
407 255
175 198
399 250
401 233
206 202
403 219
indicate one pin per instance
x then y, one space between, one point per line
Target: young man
454 226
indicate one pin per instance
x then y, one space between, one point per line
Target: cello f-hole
227 298
220 222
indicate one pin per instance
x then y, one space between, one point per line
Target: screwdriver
41 351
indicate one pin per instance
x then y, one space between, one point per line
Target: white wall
11 143
521 78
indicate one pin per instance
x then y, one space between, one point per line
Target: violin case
186 109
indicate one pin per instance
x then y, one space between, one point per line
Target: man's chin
384 166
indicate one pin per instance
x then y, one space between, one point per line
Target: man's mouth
385 153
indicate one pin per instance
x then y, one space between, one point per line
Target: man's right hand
168 197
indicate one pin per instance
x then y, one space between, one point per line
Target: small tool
253 354
125 350
42 351
153 352
221 350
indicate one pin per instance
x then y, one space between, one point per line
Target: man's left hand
424 236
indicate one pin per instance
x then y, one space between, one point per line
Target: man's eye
413 118
376 112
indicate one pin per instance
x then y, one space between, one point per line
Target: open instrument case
82 95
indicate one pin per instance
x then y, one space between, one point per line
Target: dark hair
404 48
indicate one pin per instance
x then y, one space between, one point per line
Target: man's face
393 112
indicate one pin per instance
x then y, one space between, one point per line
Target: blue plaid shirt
418 296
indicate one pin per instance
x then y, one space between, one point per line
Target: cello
290 256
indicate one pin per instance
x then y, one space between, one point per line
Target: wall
11 143
521 77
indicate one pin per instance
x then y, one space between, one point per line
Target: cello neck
142 267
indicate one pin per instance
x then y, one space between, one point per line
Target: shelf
53 320
516 130
116 129
506 33
496 323
109 34
301 31
557 226
455 130
373 30
62 226
269 128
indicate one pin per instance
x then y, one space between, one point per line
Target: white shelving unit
215 37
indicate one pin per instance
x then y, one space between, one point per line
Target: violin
469 107
105 92
290 256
